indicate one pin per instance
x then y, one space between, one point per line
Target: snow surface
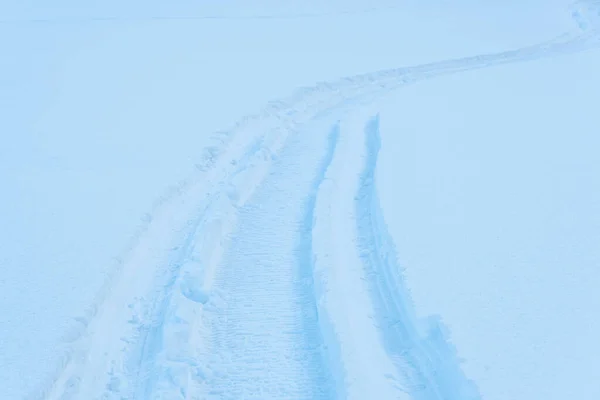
420 223
498 220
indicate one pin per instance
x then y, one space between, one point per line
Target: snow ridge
374 343
357 360
426 361
308 262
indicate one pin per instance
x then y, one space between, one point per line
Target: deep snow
105 107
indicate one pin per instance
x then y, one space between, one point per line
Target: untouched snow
413 217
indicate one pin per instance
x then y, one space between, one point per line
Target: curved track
218 299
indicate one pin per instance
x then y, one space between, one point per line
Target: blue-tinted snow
489 184
104 106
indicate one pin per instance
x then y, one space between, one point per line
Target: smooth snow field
386 199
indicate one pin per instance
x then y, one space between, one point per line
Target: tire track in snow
359 363
375 345
392 354
265 338
427 364
126 350
163 371
123 350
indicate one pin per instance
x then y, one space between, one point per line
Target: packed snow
299 200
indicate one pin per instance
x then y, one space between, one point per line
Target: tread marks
424 358
265 335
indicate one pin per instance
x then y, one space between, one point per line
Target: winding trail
230 291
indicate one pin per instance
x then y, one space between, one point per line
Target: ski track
187 317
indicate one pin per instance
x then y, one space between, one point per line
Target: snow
162 166
496 221
343 301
